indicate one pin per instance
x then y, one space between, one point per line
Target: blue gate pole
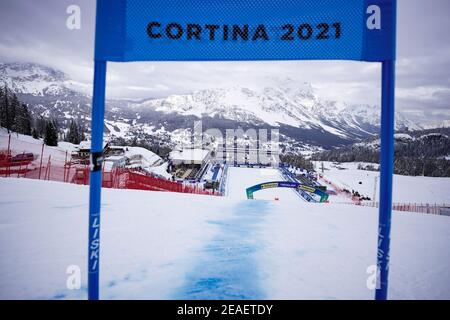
98 111
386 177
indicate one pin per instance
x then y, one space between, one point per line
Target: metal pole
40 163
386 177
49 165
65 164
98 111
8 152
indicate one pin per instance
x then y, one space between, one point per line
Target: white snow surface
406 189
241 178
157 245
189 155
150 157
22 143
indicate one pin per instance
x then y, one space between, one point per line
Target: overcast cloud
35 31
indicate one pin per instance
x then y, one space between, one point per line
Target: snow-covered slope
157 245
426 190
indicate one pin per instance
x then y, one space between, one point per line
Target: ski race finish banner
244 30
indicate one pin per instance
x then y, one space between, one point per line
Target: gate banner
227 30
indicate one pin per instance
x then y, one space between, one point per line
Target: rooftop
189 155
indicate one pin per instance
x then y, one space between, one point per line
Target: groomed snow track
240 178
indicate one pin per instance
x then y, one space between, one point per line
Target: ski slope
406 189
157 245
239 179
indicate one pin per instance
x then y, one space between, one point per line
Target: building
189 164
196 157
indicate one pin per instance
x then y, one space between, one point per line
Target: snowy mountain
295 109
438 124
48 92
34 79
45 90
284 105
437 140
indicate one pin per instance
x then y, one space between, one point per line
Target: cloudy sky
35 31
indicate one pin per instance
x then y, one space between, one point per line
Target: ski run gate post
244 30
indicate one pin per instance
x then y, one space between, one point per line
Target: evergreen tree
73 135
81 133
428 168
22 123
12 113
297 160
34 133
4 111
423 155
27 120
41 124
55 124
447 170
51 134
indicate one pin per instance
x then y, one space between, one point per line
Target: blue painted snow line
228 268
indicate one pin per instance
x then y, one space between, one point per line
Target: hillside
421 152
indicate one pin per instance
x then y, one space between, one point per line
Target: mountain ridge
293 108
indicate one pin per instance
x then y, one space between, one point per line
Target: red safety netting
56 165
